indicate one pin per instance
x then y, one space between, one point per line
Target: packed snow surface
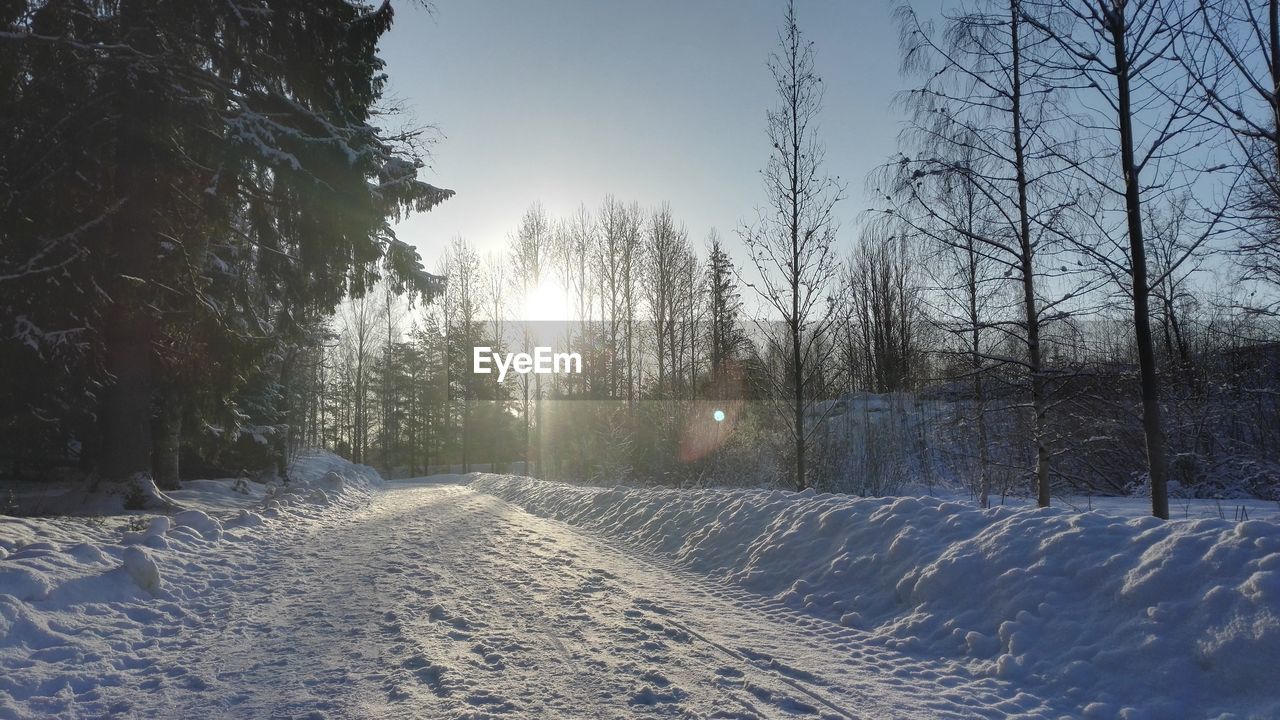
1109 617
339 596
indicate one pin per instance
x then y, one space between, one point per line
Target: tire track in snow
765 685
929 688
567 660
774 674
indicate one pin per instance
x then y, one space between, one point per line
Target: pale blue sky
564 101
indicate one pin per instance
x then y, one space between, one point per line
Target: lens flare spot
718 415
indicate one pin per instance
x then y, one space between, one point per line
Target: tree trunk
979 398
525 408
125 415
1151 423
126 405
798 418
1273 35
1026 253
537 420
797 367
167 435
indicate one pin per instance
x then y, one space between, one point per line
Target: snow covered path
438 601
498 596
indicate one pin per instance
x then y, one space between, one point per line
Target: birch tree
983 118
1151 126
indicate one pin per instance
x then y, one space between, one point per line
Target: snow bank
39 554
1134 618
76 593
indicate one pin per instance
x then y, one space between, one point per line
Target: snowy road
437 601
341 597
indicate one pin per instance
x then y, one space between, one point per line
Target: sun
546 302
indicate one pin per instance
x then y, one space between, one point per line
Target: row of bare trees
1061 157
623 286
1072 177
1096 152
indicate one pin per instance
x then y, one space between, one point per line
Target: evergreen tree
224 168
725 336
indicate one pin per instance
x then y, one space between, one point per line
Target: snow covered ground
1236 509
495 596
1100 616
98 613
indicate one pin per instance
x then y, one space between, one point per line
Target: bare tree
614 256
530 251
1126 54
361 325
882 312
1170 290
691 312
966 284
393 310
666 257
571 247
577 242
495 284
463 301
530 248
983 118
791 241
1239 73
633 234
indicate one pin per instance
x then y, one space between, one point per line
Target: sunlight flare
546 302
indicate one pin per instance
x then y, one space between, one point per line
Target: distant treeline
1066 278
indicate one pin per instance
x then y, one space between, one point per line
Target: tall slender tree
530 250
791 243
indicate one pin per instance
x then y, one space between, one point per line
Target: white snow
338 596
1116 617
140 566
1132 507
84 599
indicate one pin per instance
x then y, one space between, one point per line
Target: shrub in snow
135 495
331 481
147 532
247 519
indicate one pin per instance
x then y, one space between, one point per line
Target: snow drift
78 595
1135 618
38 555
